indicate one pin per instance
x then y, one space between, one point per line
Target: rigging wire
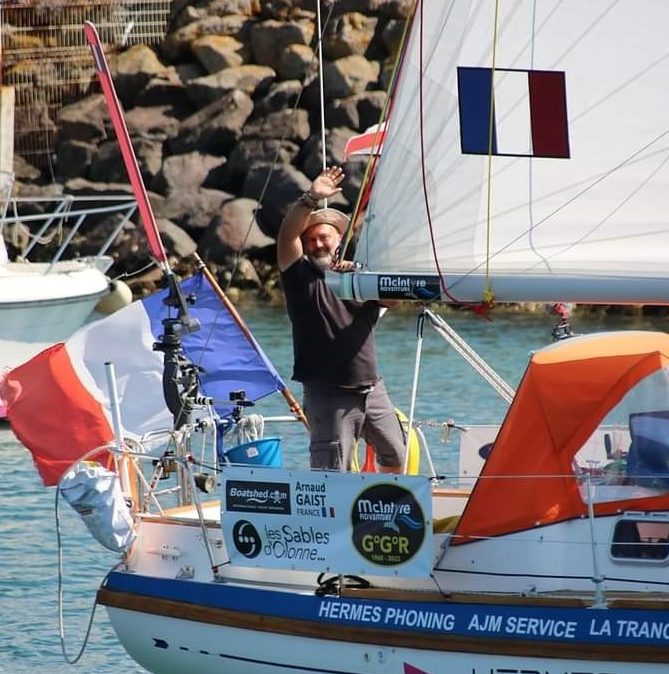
210 277
487 292
275 159
321 88
471 357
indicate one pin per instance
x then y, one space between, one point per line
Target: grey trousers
338 417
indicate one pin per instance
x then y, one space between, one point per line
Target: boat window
627 457
647 462
640 539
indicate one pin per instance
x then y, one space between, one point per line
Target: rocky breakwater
225 120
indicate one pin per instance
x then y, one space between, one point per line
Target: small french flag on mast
513 112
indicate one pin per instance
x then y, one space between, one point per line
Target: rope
335 584
61 622
250 428
471 357
421 128
59 542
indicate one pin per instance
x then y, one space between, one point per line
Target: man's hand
326 185
343 265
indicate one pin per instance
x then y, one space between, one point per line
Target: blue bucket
263 452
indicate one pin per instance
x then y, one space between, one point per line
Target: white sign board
349 523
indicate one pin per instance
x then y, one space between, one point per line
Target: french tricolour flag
58 403
525 116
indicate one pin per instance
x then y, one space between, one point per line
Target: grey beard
324 262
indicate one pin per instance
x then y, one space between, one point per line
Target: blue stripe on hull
557 624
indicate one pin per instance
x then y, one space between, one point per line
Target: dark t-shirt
333 339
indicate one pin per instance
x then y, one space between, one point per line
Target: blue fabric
263 452
475 87
229 361
648 458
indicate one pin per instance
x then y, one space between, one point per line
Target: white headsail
526 149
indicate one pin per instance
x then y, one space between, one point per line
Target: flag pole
134 174
293 404
127 151
170 342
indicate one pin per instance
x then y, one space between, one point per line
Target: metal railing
31 223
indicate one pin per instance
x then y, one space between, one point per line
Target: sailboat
46 296
524 159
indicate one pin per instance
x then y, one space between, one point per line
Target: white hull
172 616
185 646
40 308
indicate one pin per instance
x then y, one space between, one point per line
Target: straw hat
328 216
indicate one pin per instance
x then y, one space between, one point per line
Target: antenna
321 86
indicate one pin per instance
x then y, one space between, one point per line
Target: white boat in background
43 302
526 158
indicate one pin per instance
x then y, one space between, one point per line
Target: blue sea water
29 623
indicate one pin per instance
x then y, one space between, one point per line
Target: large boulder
270 38
233 230
177 44
185 172
216 52
86 120
192 210
250 79
349 75
216 128
135 67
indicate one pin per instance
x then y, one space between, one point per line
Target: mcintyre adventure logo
400 287
388 524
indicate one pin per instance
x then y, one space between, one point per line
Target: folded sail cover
58 405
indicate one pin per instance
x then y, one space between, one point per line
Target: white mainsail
562 193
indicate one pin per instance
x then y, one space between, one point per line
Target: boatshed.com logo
388 524
271 498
